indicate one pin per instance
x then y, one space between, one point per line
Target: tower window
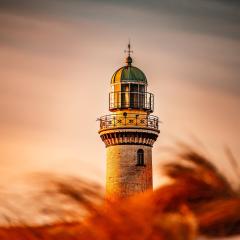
140 157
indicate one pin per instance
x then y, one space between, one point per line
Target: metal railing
128 120
133 100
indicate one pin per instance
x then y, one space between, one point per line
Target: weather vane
129 51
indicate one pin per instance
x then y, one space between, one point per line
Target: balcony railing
133 100
128 120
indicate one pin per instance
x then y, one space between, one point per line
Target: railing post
125 116
138 98
150 101
114 121
119 99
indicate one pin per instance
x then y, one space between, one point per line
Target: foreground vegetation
199 200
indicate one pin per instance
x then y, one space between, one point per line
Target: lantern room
129 89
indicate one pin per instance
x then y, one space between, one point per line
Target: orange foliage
199 200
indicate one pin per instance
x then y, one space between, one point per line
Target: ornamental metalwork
128 120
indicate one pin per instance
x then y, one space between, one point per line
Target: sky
57 59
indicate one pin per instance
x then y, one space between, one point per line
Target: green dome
129 74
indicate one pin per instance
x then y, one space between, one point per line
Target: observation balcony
127 120
131 100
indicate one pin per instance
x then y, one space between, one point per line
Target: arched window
140 157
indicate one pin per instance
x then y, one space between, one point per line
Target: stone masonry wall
124 178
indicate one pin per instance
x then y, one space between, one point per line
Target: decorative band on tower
129 132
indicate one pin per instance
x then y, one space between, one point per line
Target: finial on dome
129 51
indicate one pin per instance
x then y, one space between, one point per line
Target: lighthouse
129 133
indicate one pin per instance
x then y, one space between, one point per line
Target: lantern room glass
130 95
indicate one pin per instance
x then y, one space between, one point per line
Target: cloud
213 17
57 57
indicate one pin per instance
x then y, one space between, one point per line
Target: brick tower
129 133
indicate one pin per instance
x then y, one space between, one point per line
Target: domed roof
129 73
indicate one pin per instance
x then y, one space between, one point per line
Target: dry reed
199 200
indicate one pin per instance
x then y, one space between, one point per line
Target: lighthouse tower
129 133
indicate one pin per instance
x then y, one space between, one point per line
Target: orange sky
57 60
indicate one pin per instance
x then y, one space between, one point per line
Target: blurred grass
199 200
